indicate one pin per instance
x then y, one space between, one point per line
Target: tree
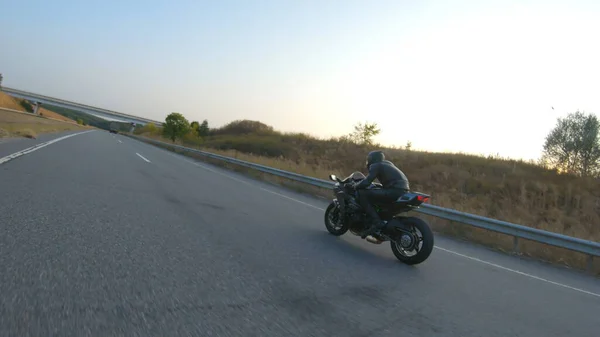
203 129
408 145
176 126
194 125
574 145
364 133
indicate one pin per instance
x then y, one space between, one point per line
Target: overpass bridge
103 113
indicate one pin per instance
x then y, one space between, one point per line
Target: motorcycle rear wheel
400 248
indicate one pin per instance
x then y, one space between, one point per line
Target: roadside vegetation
559 193
14 124
26 124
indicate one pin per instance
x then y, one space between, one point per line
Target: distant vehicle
114 127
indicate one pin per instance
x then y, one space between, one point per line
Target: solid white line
290 198
37 147
139 155
247 183
437 247
209 169
517 272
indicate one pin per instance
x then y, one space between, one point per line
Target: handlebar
351 183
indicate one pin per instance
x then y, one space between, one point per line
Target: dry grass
24 125
10 102
4 133
14 124
53 115
25 132
508 190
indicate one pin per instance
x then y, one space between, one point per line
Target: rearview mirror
333 177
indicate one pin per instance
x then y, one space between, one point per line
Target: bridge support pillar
36 108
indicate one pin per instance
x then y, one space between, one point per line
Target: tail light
422 198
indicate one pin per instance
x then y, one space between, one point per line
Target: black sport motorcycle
406 234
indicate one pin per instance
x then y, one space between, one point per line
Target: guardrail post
516 244
590 263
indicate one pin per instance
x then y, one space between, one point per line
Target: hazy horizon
468 76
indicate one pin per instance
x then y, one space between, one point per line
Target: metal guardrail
590 248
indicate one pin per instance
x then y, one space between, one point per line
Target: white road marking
437 247
37 147
119 141
517 272
247 183
139 155
210 170
290 198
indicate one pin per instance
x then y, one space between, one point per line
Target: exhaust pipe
374 240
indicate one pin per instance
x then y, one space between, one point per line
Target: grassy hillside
13 124
509 190
76 115
87 119
59 113
9 102
51 114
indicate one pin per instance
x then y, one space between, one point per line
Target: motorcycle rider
395 184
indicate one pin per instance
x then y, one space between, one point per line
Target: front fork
340 202
338 209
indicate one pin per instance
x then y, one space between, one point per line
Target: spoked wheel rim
409 244
333 219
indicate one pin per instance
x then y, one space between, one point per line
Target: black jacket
388 175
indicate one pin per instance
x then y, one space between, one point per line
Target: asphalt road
102 235
12 145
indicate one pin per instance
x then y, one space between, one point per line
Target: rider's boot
375 225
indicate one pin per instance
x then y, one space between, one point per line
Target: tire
329 225
426 248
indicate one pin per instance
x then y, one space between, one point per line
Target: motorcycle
405 233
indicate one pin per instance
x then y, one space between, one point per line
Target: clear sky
461 75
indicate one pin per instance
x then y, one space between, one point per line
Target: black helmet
375 157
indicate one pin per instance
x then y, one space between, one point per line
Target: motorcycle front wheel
333 220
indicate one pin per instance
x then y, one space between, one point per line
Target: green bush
243 127
27 106
268 146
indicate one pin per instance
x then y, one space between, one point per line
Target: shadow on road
349 249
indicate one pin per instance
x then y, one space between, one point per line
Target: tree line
176 126
572 146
